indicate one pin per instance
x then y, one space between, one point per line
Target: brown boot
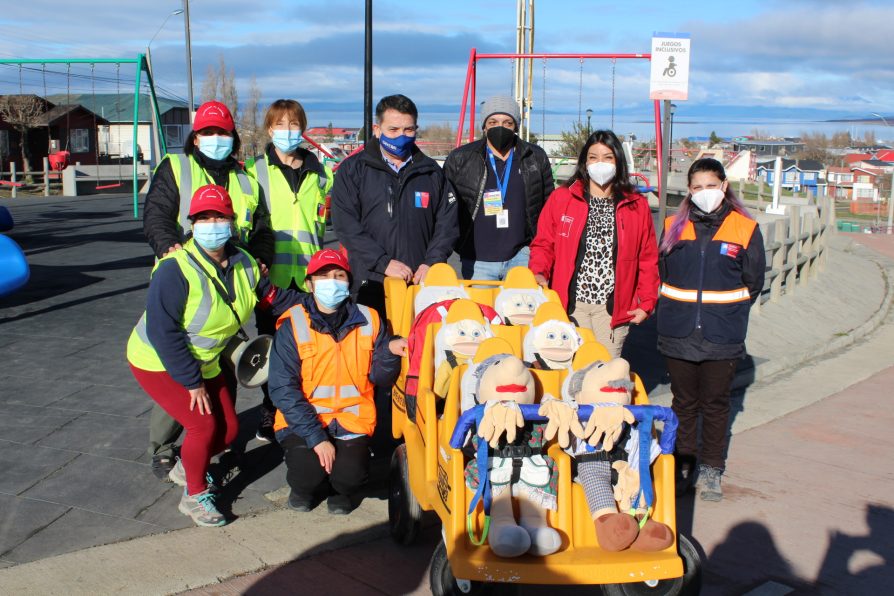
616 531
653 537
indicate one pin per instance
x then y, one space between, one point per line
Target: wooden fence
796 248
16 179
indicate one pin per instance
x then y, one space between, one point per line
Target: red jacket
554 251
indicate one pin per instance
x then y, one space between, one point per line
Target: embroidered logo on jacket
422 200
729 249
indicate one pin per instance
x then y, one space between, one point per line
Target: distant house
841 182
116 136
852 158
71 128
866 183
885 155
769 148
324 134
801 175
885 167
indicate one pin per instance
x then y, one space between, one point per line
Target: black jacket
161 210
285 368
466 168
376 217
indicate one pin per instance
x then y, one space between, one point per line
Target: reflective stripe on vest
708 296
263 175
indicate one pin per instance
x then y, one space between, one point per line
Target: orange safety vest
335 375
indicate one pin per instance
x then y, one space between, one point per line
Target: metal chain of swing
580 92
614 62
93 108
118 117
543 105
68 103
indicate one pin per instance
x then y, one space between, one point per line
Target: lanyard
504 183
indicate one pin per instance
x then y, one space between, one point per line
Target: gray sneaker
708 483
201 509
177 475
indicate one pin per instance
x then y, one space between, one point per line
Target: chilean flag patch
729 249
321 210
422 200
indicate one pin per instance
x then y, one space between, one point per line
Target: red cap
214 113
211 197
324 258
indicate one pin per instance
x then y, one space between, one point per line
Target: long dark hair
621 184
706 164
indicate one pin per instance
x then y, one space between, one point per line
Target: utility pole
367 74
192 104
665 134
891 207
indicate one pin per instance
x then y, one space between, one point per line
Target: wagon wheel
443 583
404 513
689 583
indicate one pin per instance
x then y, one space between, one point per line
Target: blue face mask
330 292
399 146
216 147
286 140
211 235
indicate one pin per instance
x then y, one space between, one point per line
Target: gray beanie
500 104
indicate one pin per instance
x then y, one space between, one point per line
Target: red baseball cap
324 258
214 113
211 197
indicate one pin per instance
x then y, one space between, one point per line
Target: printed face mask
601 172
211 235
216 147
287 140
330 292
399 146
708 199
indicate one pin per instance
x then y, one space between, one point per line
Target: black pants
266 325
306 476
702 388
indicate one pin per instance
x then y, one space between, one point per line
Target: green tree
330 135
714 139
572 141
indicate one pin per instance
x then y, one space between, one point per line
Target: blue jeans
494 270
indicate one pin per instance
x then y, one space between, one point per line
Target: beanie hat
500 104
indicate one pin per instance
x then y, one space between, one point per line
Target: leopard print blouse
596 278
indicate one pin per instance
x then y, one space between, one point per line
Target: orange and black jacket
710 278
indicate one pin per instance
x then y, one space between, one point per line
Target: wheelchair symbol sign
671 68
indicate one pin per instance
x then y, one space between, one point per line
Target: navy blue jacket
379 214
285 368
166 303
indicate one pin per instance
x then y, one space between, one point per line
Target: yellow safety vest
243 189
208 321
298 219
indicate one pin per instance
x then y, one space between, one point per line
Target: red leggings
206 434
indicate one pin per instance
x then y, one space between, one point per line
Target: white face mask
601 172
708 199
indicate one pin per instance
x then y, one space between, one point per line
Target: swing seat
14 271
115 185
59 160
6 222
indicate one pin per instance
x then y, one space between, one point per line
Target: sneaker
709 483
201 509
177 475
265 428
685 474
299 502
161 466
339 505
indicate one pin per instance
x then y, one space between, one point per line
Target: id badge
493 202
503 219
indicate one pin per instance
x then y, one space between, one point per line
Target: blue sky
751 60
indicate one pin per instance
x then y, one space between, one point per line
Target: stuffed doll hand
500 417
608 421
627 487
562 417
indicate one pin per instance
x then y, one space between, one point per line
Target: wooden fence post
760 193
791 260
12 178
807 251
778 261
46 177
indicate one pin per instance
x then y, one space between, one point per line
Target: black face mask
500 137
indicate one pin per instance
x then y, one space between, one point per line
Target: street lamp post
880 116
156 148
192 105
589 115
890 227
162 26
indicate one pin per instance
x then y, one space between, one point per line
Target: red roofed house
851 158
324 134
841 182
885 155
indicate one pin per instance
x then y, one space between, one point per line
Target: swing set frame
468 101
142 66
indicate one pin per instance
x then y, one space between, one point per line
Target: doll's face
463 337
556 344
598 384
520 309
507 380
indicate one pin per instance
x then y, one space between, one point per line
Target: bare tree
572 141
220 85
251 130
22 112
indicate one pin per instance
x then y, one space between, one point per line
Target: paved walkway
73 423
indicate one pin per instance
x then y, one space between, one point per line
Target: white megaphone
249 359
